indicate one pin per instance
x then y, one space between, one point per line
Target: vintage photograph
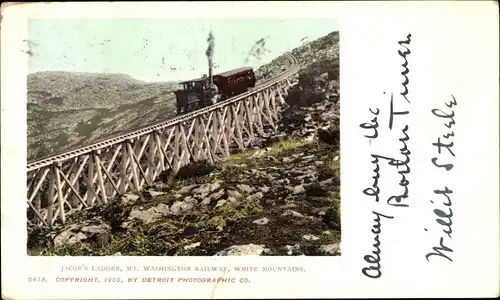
183 137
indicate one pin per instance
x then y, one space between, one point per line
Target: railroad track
91 175
121 137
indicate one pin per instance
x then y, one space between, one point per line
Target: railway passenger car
207 90
234 82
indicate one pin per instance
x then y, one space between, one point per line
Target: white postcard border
370 65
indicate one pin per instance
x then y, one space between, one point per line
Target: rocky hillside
273 68
280 198
316 57
70 109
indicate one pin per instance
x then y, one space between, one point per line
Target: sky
162 49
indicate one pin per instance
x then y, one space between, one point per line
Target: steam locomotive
208 90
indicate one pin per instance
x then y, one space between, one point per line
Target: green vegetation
277 149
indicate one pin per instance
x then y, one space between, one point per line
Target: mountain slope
280 198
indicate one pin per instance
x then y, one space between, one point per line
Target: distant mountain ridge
59 91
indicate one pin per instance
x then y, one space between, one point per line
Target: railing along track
120 137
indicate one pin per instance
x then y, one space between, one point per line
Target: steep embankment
280 199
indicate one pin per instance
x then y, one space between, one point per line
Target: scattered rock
262 221
160 186
221 203
308 157
292 213
186 189
256 196
232 199
206 201
310 237
67 238
245 188
192 246
218 195
234 194
299 189
291 250
242 166
330 249
78 232
180 207
242 250
264 189
153 193
206 188
326 182
258 153
95 228
150 215
201 196
190 201
129 198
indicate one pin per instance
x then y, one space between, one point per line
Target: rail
83 177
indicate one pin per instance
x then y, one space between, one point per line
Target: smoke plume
258 50
210 53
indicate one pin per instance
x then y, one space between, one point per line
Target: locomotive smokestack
210 55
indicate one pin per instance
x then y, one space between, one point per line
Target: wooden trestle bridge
94 174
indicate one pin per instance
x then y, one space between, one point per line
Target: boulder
243 250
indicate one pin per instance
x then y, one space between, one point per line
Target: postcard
249 150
